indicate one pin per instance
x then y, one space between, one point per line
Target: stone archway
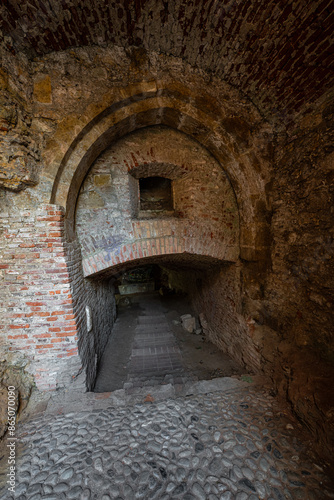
112 230
231 132
230 139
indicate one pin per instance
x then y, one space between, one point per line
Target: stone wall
299 296
303 235
20 146
217 299
110 228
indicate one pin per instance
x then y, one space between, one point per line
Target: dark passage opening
158 337
155 194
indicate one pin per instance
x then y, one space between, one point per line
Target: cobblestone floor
233 445
224 439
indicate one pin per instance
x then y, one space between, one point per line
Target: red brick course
43 308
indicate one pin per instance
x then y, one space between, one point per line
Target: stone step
69 401
150 344
152 311
149 365
152 320
153 329
136 384
159 334
155 337
157 371
147 351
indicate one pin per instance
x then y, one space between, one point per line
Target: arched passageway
195 235
217 167
161 333
112 227
89 219
249 84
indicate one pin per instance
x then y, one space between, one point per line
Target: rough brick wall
99 296
43 299
216 296
277 53
111 231
36 296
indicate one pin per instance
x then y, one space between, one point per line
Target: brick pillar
36 300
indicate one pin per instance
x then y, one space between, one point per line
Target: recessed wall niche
155 194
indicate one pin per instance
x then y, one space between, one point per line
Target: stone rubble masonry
20 146
300 289
37 302
112 232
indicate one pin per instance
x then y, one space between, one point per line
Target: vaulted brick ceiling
277 52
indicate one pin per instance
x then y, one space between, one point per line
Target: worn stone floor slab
65 402
228 445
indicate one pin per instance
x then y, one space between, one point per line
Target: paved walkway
224 439
147 351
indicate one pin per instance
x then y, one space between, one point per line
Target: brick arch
181 240
140 168
112 227
155 108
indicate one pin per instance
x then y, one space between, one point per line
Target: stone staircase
155 358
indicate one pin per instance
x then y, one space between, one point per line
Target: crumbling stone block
188 322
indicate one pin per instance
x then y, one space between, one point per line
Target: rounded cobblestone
205 447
